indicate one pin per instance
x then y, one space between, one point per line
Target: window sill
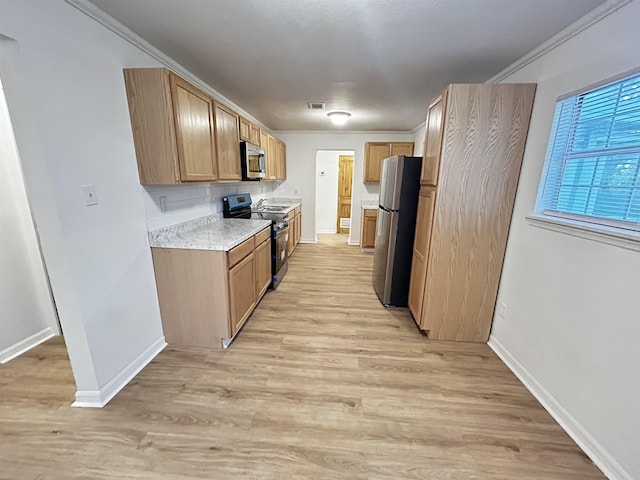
610 235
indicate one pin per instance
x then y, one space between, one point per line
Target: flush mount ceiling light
339 118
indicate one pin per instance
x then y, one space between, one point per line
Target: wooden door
194 120
245 130
401 148
263 267
242 291
369 219
374 153
228 145
433 140
345 180
424 221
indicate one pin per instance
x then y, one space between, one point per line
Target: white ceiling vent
316 105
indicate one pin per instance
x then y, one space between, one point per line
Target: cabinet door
433 140
263 267
228 144
242 291
369 228
193 116
254 134
374 153
281 161
245 130
402 148
291 239
298 228
424 221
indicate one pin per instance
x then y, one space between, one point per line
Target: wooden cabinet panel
281 160
291 239
254 134
424 222
479 166
228 146
263 267
271 151
245 130
401 148
368 231
375 152
238 252
298 232
242 291
262 236
194 131
152 125
192 292
433 140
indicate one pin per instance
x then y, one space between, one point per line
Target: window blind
593 159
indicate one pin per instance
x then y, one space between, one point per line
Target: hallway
323 382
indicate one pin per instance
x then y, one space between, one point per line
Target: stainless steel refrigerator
395 228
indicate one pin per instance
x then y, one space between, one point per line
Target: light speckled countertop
369 204
207 233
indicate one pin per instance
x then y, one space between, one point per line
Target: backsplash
170 204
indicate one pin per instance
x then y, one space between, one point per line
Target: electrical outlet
89 194
502 312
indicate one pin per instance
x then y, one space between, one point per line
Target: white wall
573 322
66 96
327 169
301 157
28 316
417 137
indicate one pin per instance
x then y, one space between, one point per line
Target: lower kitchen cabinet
242 292
368 231
294 217
206 295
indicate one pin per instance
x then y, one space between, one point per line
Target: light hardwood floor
323 382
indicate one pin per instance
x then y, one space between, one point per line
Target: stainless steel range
239 206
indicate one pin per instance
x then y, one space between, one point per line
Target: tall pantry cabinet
474 144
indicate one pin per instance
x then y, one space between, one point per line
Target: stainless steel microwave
254 165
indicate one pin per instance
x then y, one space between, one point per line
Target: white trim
599 233
605 462
355 132
352 243
134 39
28 343
594 16
99 398
334 231
315 240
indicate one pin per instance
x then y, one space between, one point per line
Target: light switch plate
89 194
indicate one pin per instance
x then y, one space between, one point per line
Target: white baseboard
315 240
334 231
99 398
605 462
27 344
353 244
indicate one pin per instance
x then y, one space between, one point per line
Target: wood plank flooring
322 383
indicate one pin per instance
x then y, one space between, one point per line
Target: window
593 159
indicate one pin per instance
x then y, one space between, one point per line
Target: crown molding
343 132
591 18
137 41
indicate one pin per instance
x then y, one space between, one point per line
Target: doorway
333 203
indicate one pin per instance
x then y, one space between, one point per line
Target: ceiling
381 60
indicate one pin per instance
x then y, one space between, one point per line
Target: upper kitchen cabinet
375 152
281 160
433 140
473 154
173 128
227 141
249 132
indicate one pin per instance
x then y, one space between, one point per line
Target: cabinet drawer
297 210
262 235
238 253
